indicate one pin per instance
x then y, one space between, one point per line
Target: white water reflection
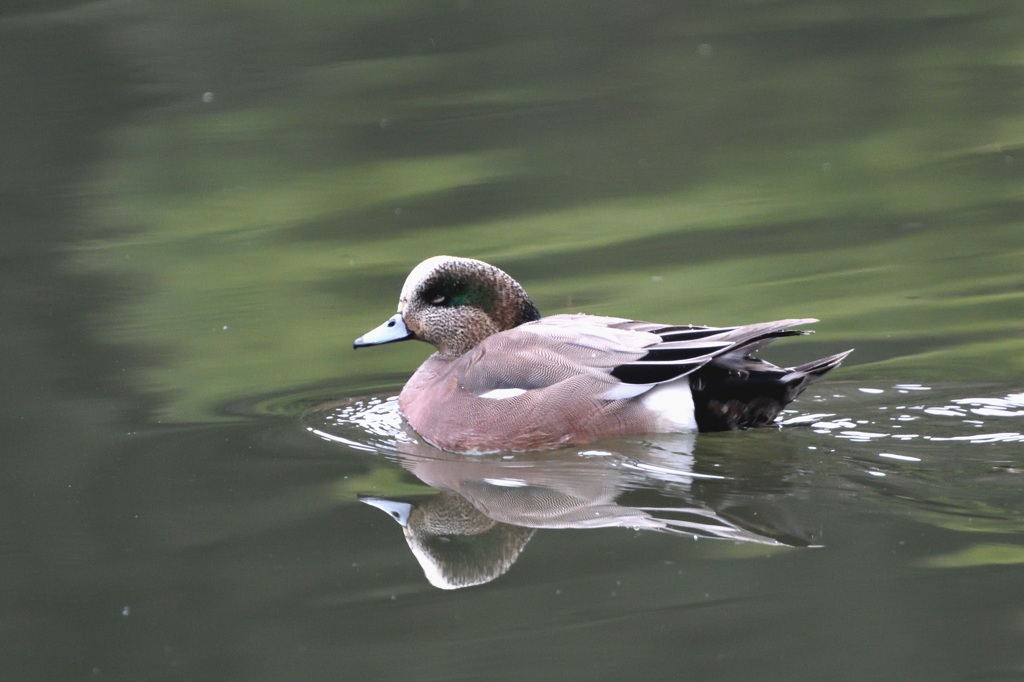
891 427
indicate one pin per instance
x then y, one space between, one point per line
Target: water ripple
932 420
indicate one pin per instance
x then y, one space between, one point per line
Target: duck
504 378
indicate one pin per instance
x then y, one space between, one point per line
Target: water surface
204 207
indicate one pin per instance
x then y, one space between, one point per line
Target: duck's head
454 304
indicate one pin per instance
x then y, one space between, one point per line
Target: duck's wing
682 350
550 351
622 356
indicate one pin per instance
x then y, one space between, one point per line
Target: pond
205 206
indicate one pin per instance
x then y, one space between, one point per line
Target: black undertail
725 399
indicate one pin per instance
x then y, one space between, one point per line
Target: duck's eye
438 300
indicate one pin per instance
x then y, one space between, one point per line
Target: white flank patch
503 393
674 403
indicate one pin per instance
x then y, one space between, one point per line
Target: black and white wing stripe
683 350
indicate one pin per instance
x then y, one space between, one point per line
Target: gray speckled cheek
431 324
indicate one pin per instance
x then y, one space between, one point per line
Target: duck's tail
811 371
751 392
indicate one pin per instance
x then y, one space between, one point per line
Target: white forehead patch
423 270
419 273
503 393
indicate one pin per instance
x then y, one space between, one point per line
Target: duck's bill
389 332
397 509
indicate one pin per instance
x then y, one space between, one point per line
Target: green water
204 206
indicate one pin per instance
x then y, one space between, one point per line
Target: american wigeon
503 378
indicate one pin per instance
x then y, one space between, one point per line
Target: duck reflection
489 506
456 544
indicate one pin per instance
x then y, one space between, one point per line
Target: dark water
203 206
